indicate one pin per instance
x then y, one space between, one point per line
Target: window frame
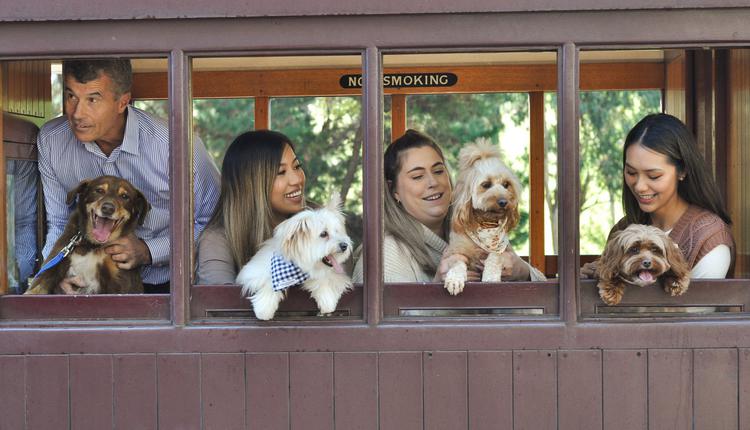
567 124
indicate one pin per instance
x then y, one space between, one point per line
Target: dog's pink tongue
646 276
102 228
336 266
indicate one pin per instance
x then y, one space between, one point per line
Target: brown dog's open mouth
646 276
102 228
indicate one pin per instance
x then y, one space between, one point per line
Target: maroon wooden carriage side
542 355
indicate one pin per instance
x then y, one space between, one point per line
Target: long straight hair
667 135
407 231
244 210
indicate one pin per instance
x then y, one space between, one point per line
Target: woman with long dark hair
668 185
262 184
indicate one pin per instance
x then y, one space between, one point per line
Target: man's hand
129 252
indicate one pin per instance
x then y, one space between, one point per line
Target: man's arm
205 186
54 196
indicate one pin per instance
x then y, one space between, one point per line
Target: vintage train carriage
394 356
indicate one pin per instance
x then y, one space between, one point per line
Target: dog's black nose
502 202
646 263
343 246
108 208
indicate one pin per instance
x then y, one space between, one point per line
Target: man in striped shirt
101 134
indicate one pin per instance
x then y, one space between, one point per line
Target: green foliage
606 118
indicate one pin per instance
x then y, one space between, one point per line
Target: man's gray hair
85 70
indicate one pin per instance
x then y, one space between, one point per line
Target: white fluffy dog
485 208
306 249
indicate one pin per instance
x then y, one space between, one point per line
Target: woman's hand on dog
473 274
589 269
129 252
514 268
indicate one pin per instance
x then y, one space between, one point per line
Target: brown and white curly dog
485 208
641 255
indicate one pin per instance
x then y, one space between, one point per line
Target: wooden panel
579 383
28 83
311 391
625 390
12 392
262 113
134 379
675 97
400 390
535 390
398 116
47 402
178 388
445 390
539 297
471 79
670 389
738 156
356 390
91 391
267 391
61 307
490 390
223 391
716 400
537 176
744 388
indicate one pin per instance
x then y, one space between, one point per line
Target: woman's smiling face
423 186
288 193
652 179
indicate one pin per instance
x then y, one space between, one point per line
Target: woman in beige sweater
416 213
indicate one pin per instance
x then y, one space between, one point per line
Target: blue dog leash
75 240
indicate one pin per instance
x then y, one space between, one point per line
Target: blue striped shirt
142 159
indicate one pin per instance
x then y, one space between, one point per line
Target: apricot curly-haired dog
641 255
485 208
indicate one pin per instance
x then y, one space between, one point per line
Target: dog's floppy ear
513 216
676 260
142 206
609 263
79 189
462 211
294 232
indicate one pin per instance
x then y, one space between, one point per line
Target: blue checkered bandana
285 274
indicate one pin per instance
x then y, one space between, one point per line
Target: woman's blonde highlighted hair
244 211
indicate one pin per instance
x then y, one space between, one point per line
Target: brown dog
108 208
641 255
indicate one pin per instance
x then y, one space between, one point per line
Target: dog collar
285 274
67 249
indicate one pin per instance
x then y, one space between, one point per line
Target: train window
312 102
482 108
48 184
651 149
